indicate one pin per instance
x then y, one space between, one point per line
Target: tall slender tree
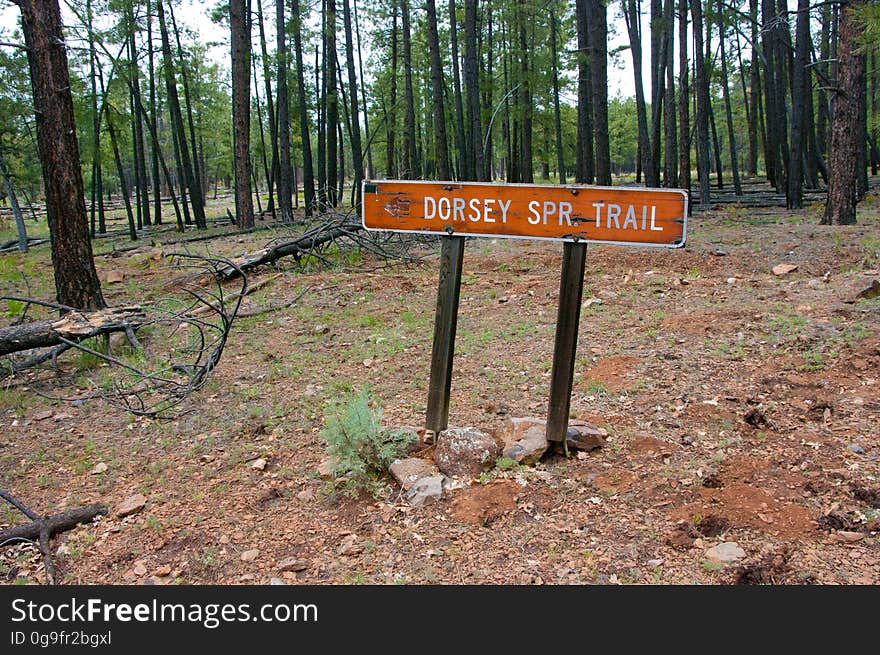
285 167
840 206
308 167
598 21
357 158
584 169
76 280
701 89
409 161
240 46
725 92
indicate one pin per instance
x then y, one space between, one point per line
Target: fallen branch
303 244
52 524
144 380
9 246
73 326
41 529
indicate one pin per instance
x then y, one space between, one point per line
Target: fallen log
73 326
300 245
9 246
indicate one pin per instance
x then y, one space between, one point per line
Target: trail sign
616 215
574 214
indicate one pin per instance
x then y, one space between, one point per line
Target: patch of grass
711 567
871 252
813 361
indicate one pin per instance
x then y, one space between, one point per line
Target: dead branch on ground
41 529
170 347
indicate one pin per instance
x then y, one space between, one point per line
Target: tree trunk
357 158
473 132
795 190
456 91
725 90
525 102
357 30
197 196
632 17
272 173
240 46
409 161
391 114
185 167
599 72
440 143
151 125
670 175
658 62
584 170
13 204
331 103
308 168
140 160
76 280
285 169
684 128
701 89
96 191
557 117
840 208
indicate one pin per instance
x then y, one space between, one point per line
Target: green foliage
360 449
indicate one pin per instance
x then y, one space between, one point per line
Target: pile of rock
465 453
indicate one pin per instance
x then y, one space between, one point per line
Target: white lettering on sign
490 210
541 212
457 210
612 215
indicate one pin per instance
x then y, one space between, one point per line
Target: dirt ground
740 405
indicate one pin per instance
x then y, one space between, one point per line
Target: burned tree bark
846 132
76 280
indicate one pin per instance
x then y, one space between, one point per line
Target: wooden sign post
574 214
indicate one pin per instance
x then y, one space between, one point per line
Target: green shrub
359 448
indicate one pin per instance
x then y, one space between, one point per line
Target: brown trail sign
647 217
574 214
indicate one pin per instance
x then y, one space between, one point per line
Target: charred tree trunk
391 115
272 173
197 196
185 168
795 190
152 125
701 88
331 104
240 45
584 169
670 174
632 16
285 168
456 91
308 168
76 280
684 128
441 150
473 131
846 132
599 70
409 162
557 118
728 112
357 158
